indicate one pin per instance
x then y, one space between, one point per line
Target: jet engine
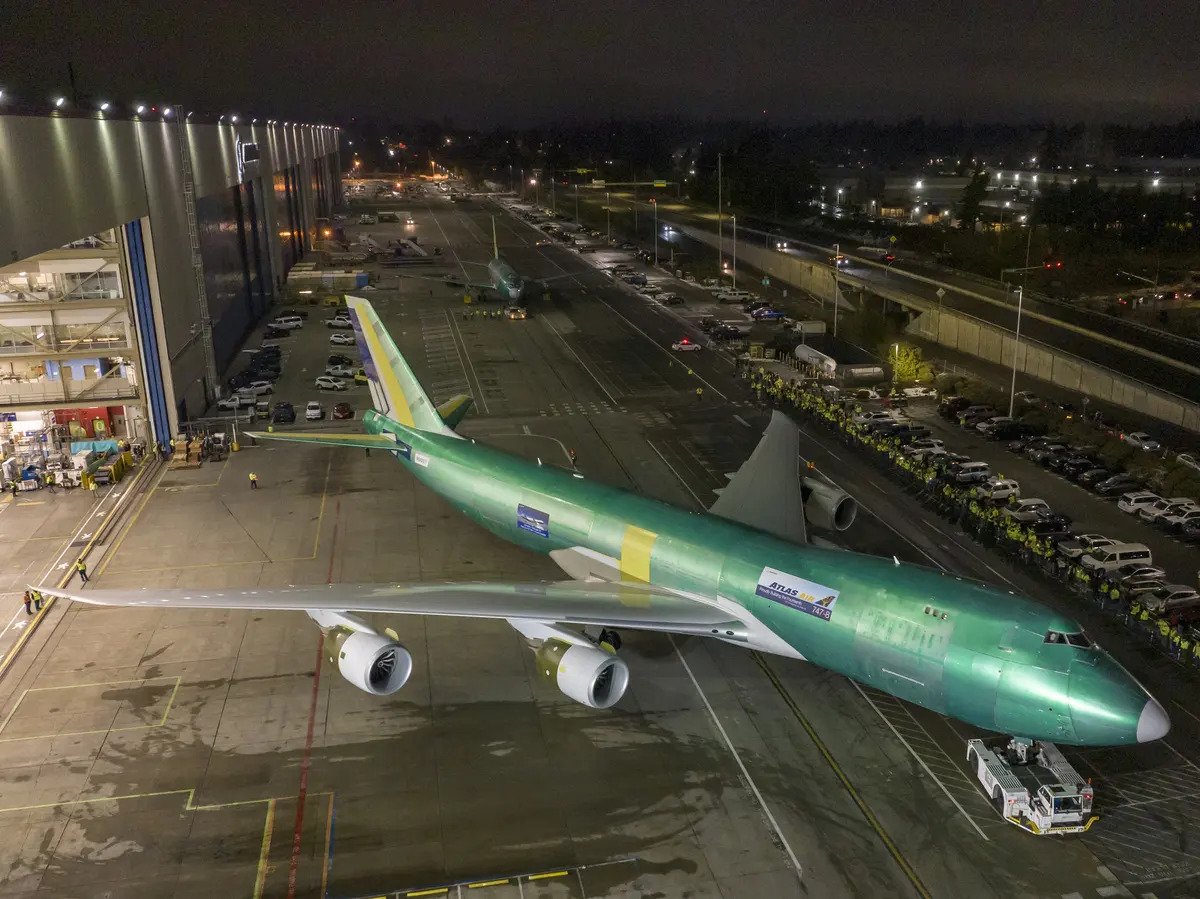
826 505
373 662
587 674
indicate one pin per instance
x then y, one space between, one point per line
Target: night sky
531 62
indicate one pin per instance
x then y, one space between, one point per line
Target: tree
972 200
908 364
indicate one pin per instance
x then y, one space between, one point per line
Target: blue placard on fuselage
533 520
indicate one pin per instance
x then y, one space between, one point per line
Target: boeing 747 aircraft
743 574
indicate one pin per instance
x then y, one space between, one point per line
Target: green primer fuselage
958 647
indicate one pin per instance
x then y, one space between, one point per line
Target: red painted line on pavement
306 761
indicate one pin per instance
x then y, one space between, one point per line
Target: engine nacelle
587 674
373 662
827 505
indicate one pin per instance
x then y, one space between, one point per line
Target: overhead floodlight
166 112
104 107
60 102
233 119
140 109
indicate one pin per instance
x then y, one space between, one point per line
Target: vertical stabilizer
395 390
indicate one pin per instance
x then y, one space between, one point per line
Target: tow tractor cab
1032 785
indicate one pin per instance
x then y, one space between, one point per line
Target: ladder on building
189 206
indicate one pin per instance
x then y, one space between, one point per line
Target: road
1152 357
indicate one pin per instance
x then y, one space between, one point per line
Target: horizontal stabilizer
455 409
327 438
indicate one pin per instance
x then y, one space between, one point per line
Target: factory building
136 254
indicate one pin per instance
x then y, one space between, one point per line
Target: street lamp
607 217
836 258
734 219
655 202
1012 390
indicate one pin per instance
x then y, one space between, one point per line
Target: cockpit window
1080 639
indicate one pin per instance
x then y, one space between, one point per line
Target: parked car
342 411
1189 460
1050 527
920 446
915 393
339 371
1190 532
766 314
283 413
1143 441
1137 587
950 406
1134 501
1117 484
969 472
988 425
236 401
1110 558
1042 454
998 489
314 411
325 382
273 333
260 387
670 299
338 359
1172 506
1074 547
1094 476
708 323
1072 466
972 415
1027 509
1177 521
1170 598
341 321
516 313
341 338
1012 430
1136 569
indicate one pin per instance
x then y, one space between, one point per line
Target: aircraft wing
765 492
328 438
602 603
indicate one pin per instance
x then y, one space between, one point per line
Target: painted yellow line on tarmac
548 874
325 855
316 542
37 619
102 730
265 852
905 866
436 892
480 884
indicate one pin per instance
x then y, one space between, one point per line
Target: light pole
1012 390
734 218
577 204
720 196
608 217
836 254
655 202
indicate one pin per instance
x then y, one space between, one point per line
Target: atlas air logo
783 588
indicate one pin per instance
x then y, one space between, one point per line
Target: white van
287 322
1136 500
1109 558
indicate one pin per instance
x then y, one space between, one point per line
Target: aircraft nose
1153 723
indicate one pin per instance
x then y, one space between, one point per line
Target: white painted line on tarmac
920 761
762 803
582 364
686 485
741 421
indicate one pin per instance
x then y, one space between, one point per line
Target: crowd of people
982 519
